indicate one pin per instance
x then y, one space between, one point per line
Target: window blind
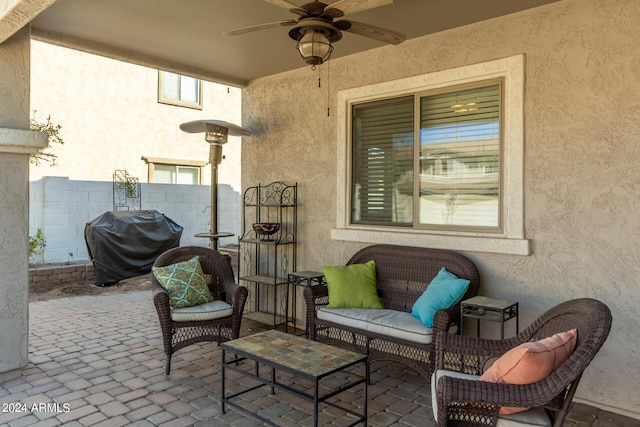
382 170
460 157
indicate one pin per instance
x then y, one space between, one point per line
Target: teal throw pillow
352 286
444 291
185 283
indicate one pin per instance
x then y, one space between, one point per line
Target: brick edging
61 273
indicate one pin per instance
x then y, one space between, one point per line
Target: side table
301 278
485 308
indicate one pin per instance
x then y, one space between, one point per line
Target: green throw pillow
352 286
444 291
184 282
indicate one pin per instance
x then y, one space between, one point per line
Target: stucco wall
110 117
581 161
14 206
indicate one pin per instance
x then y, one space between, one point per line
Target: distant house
123 119
120 116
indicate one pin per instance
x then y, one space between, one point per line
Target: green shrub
37 242
53 137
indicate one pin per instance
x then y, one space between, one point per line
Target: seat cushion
444 291
185 283
352 286
387 322
531 362
535 417
207 311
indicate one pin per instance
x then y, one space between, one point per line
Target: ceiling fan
316 29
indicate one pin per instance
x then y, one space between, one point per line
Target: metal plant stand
126 191
266 260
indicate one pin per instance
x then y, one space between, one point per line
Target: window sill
498 245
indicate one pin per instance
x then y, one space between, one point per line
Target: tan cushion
207 311
531 362
535 417
439 373
393 323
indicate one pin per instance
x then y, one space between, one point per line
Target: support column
16 143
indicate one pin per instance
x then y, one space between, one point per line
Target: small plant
131 185
126 181
37 243
53 133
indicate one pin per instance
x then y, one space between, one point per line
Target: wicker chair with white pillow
533 377
217 320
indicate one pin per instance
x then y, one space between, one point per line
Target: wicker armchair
468 402
219 274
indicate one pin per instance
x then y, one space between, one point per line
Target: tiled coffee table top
305 356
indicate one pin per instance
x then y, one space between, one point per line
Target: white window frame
178 102
152 161
511 240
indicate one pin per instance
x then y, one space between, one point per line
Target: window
176 89
174 171
382 170
445 176
435 160
172 174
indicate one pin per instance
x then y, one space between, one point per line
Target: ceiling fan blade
250 28
368 30
289 6
345 7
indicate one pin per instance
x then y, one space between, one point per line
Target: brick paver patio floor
98 361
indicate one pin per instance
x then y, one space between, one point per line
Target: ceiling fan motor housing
314 24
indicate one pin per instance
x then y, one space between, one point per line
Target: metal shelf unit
265 261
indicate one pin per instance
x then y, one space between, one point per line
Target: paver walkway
98 361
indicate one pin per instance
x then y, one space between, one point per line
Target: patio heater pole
215 158
216 134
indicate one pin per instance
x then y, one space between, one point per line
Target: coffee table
303 358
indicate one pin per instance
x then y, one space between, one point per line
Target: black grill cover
125 244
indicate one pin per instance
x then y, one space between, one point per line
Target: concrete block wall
62 207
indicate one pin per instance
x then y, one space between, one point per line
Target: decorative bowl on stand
266 228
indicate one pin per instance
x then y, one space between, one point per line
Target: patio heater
215 133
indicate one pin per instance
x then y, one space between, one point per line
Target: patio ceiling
186 36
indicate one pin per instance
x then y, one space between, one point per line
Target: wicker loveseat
402 275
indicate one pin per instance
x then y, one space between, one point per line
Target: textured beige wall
111 117
582 161
14 202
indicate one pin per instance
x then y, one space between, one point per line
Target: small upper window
176 89
174 171
174 174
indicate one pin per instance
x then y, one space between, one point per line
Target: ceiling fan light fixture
314 47
315 31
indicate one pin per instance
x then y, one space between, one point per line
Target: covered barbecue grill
125 244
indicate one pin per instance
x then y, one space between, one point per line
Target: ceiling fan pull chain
328 88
